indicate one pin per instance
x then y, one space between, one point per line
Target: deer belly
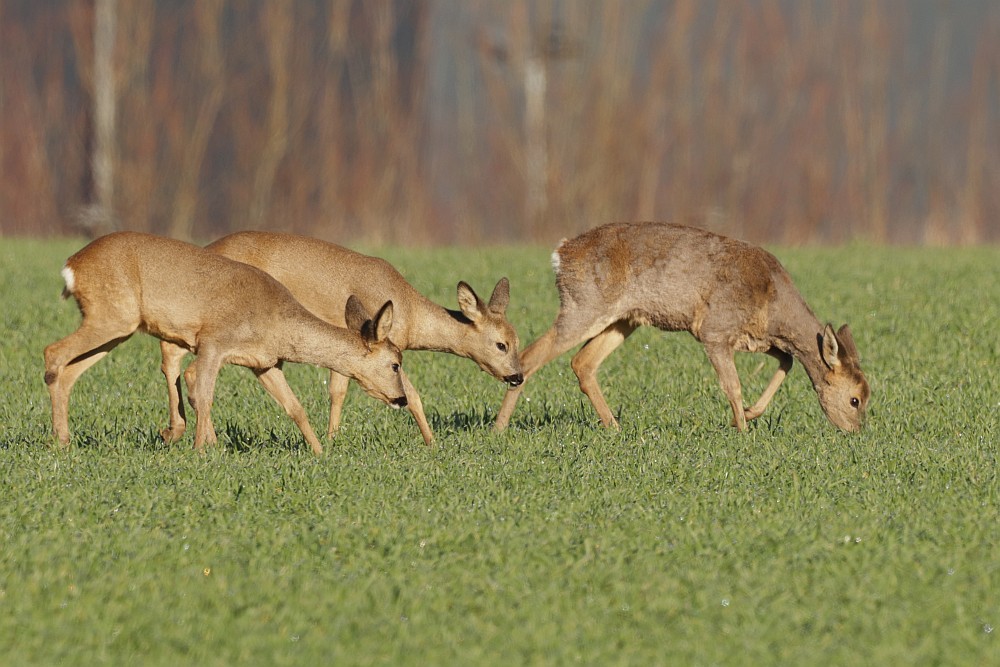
182 336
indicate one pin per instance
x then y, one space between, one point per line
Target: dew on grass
725 602
987 628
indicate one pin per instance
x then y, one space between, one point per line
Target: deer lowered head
492 341
842 387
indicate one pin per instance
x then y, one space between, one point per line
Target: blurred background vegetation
488 121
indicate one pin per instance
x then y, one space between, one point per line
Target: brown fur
730 295
223 311
322 275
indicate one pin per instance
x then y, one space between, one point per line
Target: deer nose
399 402
514 380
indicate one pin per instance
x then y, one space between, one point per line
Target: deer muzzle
514 380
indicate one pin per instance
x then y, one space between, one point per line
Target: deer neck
322 344
435 328
801 338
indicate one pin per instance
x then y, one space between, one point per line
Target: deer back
321 275
674 277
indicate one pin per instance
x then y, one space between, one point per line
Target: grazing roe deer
322 275
730 295
223 311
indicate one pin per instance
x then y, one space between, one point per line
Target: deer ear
355 314
471 305
849 349
829 347
383 322
500 298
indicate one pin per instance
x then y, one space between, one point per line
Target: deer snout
398 402
514 380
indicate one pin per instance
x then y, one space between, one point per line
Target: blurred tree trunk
137 172
101 207
211 70
2 114
972 229
331 216
277 40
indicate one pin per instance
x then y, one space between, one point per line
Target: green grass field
674 541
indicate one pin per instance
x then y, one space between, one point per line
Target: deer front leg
273 380
416 408
721 357
170 365
338 393
200 378
784 365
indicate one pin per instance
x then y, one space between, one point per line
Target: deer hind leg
532 358
416 408
784 365
586 362
67 359
721 357
273 380
200 378
172 355
549 346
567 332
60 388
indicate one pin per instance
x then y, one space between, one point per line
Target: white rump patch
556 260
67 274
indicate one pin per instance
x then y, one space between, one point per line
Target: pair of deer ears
838 348
474 308
372 330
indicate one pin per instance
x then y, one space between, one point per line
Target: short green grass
672 541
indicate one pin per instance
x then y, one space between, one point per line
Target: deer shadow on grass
94 437
239 439
542 415
545 415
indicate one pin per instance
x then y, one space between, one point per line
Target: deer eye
395 369
855 402
502 347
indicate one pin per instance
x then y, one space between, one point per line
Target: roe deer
223 311
730 295
321 275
